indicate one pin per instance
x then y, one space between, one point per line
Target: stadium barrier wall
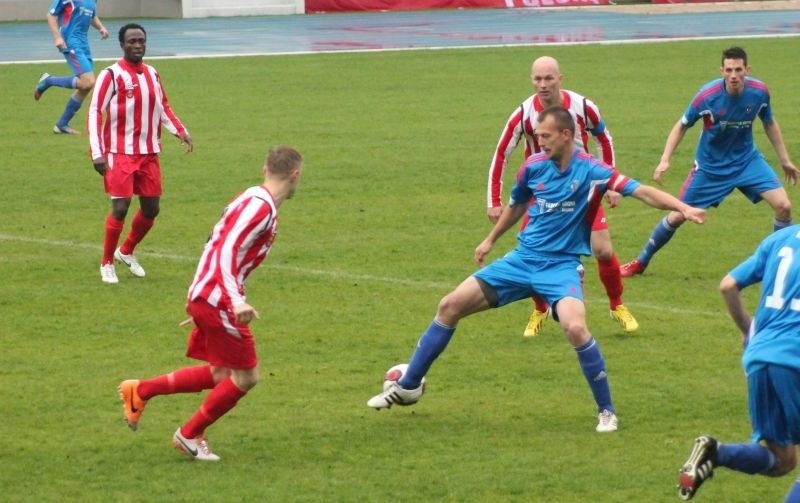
36 10
320 6
689 1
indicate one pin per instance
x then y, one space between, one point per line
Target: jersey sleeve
168 119
509 139
56 7
765 113
694 110
602 135
521 192
751 271
103 91
622 184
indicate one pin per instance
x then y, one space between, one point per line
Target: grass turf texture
389 211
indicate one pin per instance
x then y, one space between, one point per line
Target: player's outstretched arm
663 201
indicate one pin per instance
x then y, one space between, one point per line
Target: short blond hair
283 159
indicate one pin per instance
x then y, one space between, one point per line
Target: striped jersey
522 123
565 202
239 242
775 331
726 143
135 106
74 19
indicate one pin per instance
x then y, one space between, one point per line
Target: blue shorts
703 190
79 61
515 277
774 403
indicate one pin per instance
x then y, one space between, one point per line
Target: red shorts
130 175
218 339
600 223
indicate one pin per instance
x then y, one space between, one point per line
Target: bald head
546 79
545 64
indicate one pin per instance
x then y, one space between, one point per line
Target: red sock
185 380
113 231
139 228
540 304
611 279
221 399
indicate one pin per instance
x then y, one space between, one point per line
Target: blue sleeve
765 114
691 115
521 193
56 8
751 271
629 187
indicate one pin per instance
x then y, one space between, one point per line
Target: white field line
341 275
421 48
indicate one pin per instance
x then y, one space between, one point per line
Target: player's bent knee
783 210
786 461
448 310
602 252
245 381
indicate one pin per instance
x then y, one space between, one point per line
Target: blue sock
429 347
660 236
69 82
794 493
749 458
594 369
70 110
780 224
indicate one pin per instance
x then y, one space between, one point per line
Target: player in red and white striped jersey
239 242
125 146
546 79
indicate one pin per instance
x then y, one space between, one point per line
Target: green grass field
397 147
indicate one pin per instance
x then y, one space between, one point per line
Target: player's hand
187 321
100 165
481 251
494 213
245 313
103 33
186 140
662 168
696 215
60 44
613 198
791 173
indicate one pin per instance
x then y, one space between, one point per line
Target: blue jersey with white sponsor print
775 333
74 19
726 144
564 203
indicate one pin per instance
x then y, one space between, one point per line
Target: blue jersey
775 333
74 19
565 203
726 143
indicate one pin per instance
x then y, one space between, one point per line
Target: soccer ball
395 373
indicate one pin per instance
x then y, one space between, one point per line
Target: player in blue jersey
726 157
567 185
771 361
69 20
